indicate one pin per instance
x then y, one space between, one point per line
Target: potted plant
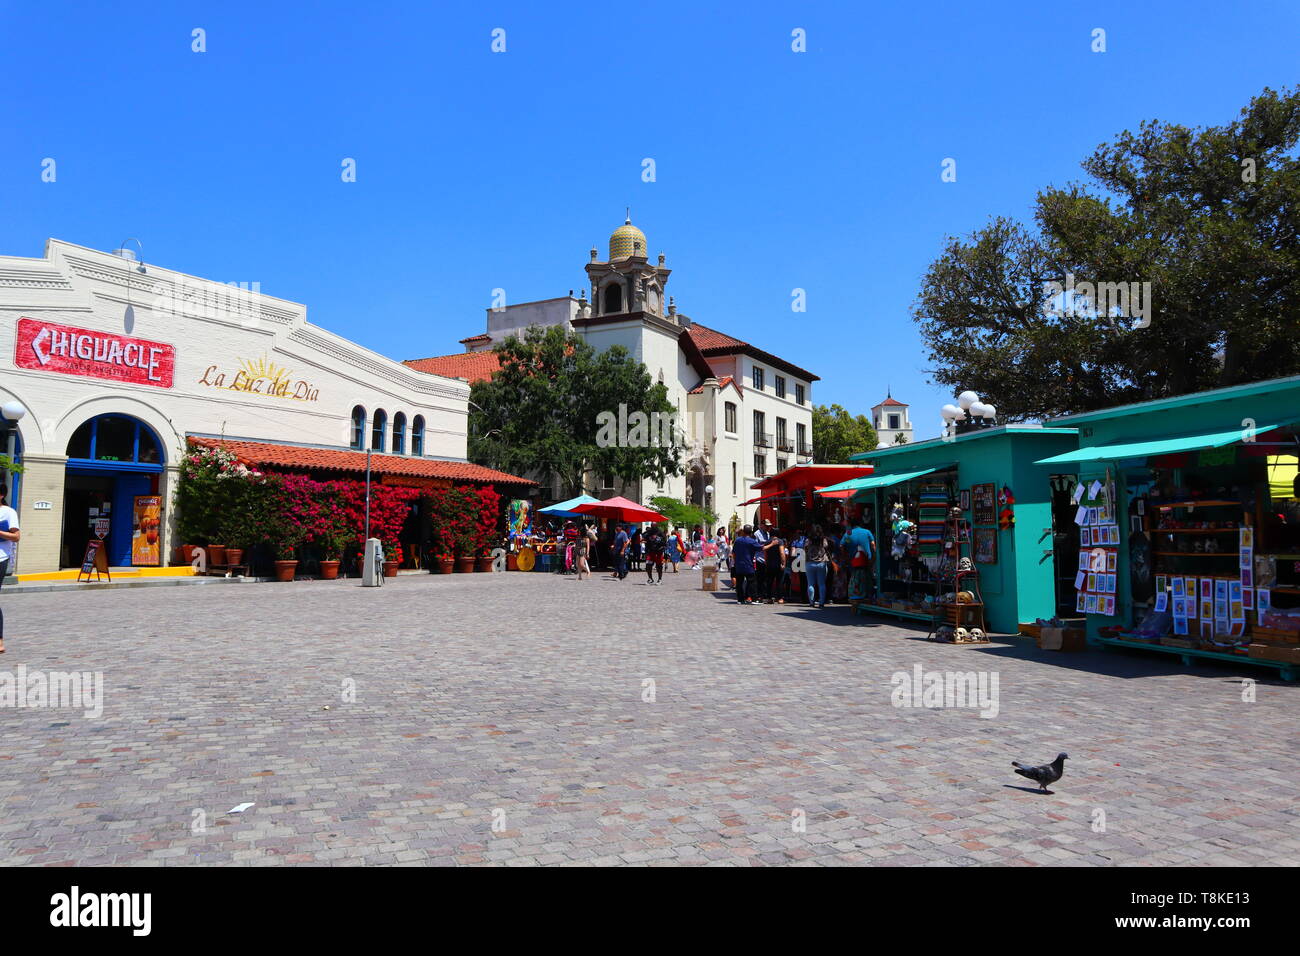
484 562
332 549
392 559
286 561
446 562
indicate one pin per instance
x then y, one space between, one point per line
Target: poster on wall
986 545
146 523
984 501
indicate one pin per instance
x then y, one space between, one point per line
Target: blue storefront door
125 488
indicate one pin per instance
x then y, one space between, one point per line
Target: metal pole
367 537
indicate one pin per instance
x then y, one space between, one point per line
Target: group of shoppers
837 564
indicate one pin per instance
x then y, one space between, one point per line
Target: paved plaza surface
504 719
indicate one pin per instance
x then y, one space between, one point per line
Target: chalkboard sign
95 562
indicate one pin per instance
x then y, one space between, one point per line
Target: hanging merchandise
1006 509
903 531
933 512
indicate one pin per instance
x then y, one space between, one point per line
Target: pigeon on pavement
1047 773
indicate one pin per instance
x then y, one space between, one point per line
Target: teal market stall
1197 498
1011 510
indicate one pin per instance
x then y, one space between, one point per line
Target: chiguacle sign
49 347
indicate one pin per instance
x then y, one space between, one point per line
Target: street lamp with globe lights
969 414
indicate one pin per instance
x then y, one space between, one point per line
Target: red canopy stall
787 498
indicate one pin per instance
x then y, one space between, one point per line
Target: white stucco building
747 412
117 362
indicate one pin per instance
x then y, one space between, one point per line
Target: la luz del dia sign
49 347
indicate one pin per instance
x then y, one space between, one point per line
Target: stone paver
499 719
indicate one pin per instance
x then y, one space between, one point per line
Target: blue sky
775 170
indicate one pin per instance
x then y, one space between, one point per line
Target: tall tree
837 434
1209 217
542 413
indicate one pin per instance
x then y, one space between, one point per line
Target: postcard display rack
1212 593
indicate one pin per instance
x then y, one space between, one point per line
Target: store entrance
113 471
1065 543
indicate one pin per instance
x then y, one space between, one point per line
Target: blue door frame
131 478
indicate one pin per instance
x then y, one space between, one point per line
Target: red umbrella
620 509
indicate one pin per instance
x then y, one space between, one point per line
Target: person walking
9 534
655 545
581 549
619 549
634 549
743 551
775 553
762 535
676 548
861 547
817 551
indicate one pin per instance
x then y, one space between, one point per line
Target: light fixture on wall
128 318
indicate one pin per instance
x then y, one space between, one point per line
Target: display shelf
1288 670
1190 503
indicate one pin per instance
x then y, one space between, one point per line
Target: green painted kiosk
1198 498
1015 517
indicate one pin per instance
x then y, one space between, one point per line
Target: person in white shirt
9 534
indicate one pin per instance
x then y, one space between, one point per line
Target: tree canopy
541 414
1208 217
837 434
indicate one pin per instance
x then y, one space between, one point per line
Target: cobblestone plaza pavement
518 699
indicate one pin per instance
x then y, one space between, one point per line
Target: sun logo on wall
262 368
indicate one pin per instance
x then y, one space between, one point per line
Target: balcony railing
784 444
762 439
805 450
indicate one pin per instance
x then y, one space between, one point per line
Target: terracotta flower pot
390 569
447 566
216 554
465 563
512 561
285 570
329 570
234 555
187 553
483 563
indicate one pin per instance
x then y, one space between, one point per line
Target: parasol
621 510
565 509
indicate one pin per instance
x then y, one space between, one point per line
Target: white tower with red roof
891 421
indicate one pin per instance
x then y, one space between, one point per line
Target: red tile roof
471 366
892 401
481 337
337 459
723 382
712 342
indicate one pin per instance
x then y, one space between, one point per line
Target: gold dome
627 240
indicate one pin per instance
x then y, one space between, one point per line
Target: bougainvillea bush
220 496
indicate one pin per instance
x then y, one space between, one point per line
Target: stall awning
875 481
774 496
1162 446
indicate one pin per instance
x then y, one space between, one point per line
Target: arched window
399 434
378 430
613 298
417 436
115 442
358 427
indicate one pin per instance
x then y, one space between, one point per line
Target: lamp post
10 414
969 414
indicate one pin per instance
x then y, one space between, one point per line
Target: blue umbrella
564 509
